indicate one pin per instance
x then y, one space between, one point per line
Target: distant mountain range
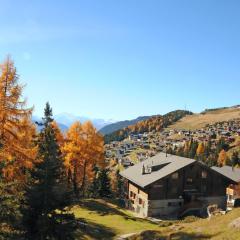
153 123
65 120
110 126
122 124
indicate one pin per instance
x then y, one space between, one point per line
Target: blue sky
124 58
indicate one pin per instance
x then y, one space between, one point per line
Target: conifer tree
207 150
10 216
104 184
193 149
94 186
235 160
45 216
83 149
119 184
16 129
221 145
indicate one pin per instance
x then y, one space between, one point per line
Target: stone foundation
164 207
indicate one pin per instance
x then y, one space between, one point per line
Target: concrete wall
221 201
164 207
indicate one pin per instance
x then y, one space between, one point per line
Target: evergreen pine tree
104 184
94 187
193 149
208 149
221 145
119 185
10 216
235 159
45 216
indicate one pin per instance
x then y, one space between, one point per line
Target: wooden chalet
233 190
166 185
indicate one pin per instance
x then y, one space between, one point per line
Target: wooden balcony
230 191
235 192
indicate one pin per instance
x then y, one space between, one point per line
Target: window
204 174
131 193
189 180
175 175
140 201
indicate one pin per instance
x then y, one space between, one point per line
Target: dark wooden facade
194 180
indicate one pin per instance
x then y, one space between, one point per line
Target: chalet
233 190
165 185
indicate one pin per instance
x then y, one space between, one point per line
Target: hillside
122 124
107 220
197 121
154 123
217 228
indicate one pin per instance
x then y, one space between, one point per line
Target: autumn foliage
222 158
154 123
83 149
17 151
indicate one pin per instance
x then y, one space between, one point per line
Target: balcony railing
233 192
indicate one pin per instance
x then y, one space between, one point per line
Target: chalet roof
229 172
167 165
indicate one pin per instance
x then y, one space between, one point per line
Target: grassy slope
216 228
197 121
107 221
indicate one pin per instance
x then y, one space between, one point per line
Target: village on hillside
138 147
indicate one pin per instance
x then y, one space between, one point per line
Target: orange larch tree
200 151
83 149
222 158
17 152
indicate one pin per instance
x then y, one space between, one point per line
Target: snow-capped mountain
64 120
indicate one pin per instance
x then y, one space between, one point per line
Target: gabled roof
229 172
167 165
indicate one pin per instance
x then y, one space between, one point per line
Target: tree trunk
84 178
75 185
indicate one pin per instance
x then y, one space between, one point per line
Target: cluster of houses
143 145
151 143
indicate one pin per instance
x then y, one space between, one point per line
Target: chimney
143 169
166 150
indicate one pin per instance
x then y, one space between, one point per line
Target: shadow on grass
100 208
188 236
155 235
103 209
91 230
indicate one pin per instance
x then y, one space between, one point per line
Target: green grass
107 220
216 228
